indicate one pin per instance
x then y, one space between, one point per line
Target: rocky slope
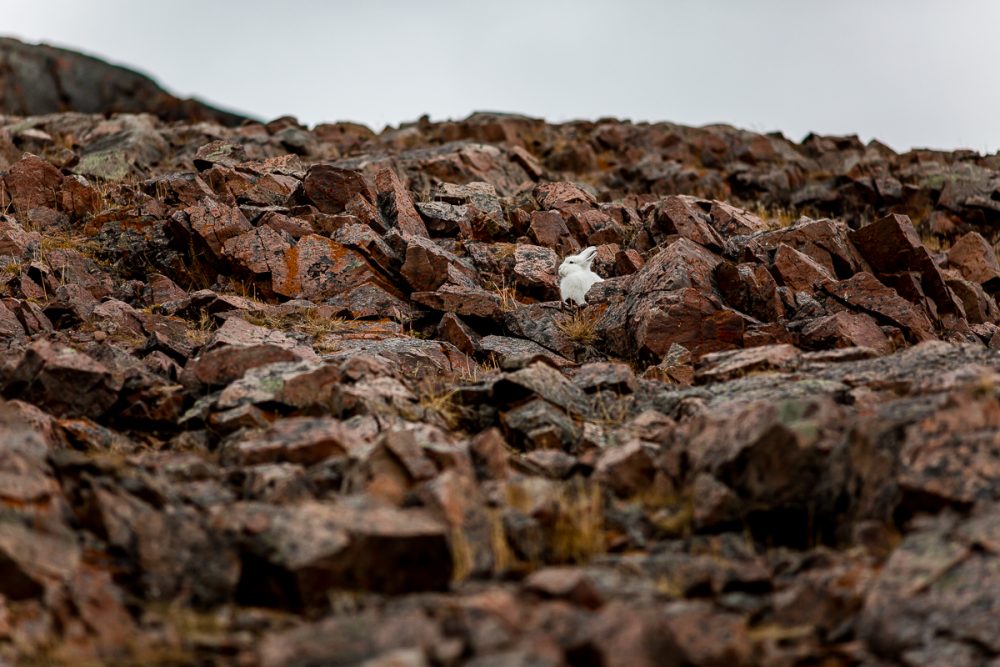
281 396
41 79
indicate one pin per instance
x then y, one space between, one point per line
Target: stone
535 271
548 229
750 288
322 547
797 271
627 470
682 215
302 440
317 267
33 182
973 256
331 188
843 330
864 292
215 223
722 366
396 206
258 251
32 560
15 241
64 381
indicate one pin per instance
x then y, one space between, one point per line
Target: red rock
728 220
561 195
845 329
305 440
566 583
973 256
33 560
891 245
33 182
62 380
257 251
548 229
327 546
79 198
453 330
751 289
162 289
331 188
428 265
535 271
628 262
828 242
722 366
317 268
866 293
797 271
14 240
215 223
472 301
396 206
626 470
682 215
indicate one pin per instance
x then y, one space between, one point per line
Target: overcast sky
908 72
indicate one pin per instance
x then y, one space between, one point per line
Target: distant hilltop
41 79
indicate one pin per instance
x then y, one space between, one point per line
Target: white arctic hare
575 276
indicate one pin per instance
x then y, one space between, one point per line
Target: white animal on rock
575 276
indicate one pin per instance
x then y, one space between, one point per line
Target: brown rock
33 182
215 223
751 289
845 329
317 268
683 215
535 271
866 293
257 251
318 547
428 266
973 256
331 188
730 221
33 559
797 271
396 206
626 470
891 245
722 366
63 381
472 301
14 240
453 330
548 229
305 440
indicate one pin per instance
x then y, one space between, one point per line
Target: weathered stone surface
330 188
324 547
845 329
395 204
973 256
66 382
316 268
864 292
33 182
721 366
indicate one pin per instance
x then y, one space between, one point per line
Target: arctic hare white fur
575 276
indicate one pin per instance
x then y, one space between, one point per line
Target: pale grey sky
908 72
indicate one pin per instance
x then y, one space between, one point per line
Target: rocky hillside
41 79
277 396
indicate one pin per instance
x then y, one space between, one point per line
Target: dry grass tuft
580 327
578 529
